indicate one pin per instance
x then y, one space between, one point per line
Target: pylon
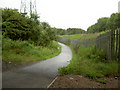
23 6
28 6
119 7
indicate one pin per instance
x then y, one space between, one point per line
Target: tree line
69 31
105 23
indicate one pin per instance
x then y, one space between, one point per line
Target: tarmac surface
38 75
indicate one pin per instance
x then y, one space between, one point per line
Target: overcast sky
69 13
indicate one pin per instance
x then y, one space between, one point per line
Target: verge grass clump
90 62
20 52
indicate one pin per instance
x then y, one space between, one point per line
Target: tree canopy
105 23
17 26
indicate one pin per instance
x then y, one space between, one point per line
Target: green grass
21 52
83 37
91 63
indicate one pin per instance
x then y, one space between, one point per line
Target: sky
69 13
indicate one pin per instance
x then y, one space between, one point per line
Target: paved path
38 75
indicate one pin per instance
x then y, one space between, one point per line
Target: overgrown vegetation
20 52
90 62
83 37
26 39
17 26
106 23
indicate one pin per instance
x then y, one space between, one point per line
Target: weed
20 52
88 61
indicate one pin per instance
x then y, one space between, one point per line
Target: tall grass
20 52
90 62
83 37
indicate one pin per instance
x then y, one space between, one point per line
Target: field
83 37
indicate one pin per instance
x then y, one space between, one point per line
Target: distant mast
119 7
28 7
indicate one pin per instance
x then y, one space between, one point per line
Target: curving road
38 75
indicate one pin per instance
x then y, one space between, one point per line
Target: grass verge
22 52
91 63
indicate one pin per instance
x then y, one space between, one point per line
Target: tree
101 25
17 26
70 31
48 29
35 17
114 21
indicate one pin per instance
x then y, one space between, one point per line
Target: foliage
59 31
106 23
17 26
35 17
49 30
114 21
20 52
69 31
99 26
89 62
74 31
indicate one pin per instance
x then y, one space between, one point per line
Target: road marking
52 82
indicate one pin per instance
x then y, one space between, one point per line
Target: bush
17 26
22 51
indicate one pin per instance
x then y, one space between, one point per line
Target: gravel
79 81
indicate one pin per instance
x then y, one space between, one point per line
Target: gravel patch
79 81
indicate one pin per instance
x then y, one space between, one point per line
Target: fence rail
108 42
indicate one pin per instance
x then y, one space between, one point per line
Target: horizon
69 14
